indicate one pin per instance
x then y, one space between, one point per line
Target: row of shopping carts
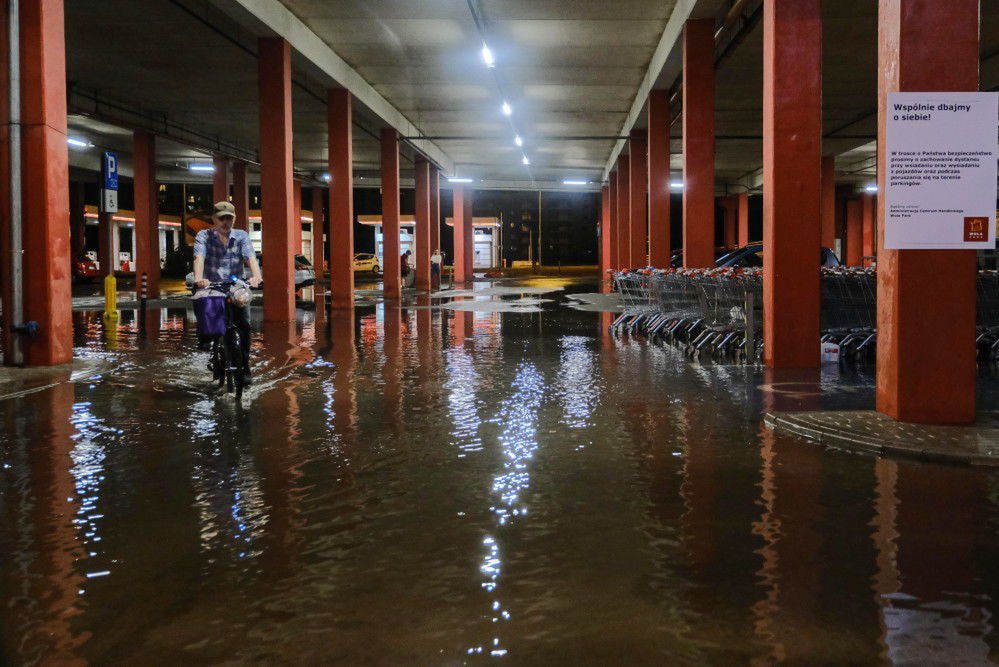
706 312
718 313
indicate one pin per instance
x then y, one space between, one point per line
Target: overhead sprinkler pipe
16 316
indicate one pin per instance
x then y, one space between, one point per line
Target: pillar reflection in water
928 535
341 403
54 444
460 386
392 366
278 425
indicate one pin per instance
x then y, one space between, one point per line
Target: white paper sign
940 189
109 201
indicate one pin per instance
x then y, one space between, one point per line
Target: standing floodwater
433 486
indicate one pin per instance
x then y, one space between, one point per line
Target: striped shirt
223 261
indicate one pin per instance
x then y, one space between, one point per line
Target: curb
801 426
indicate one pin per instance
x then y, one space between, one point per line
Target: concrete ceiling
567 69
571 71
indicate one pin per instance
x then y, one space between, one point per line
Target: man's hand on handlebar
254 282
202 284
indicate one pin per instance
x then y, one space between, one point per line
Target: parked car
676 259
305 276
85 269
748 256
752 255
364 261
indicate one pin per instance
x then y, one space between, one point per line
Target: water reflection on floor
426 486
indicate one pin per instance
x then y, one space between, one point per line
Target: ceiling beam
665 64
271 17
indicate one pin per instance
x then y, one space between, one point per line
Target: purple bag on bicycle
210 313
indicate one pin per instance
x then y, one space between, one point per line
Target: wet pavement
440 486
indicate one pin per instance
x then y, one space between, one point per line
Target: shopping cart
849 310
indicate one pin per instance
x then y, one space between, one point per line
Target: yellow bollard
110 300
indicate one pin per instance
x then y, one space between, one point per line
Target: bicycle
226 359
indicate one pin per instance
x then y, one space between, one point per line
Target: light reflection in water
88 461
462 379
518 444
577 383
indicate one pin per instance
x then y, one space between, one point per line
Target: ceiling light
455 179
78 143
201 167
507 110
676 185
327 177
871 188
487 56
572 182
526 161
517 140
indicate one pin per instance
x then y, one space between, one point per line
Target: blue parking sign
109 170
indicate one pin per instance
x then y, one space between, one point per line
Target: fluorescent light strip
201 167
487 56
78 143
507 109
459 180
676 185
526 162
571 182
871 188
517 140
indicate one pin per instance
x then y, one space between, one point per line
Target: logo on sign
976 229
110 164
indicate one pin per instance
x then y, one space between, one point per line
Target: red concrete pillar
44 182
105 250
77 219
792 180
391 264
341 217
276 175
147 215
605 232
422 224
318 232
854 233
220 179
925 45
462 219
730 205
435 208
241 195
742 206
658 146
624 213
639 171
699 143
615 262
296 229
867 217
828 201
843 194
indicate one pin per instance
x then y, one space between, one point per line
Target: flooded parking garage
422 485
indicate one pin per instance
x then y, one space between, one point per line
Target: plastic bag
210 313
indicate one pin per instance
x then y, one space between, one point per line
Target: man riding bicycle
219 255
